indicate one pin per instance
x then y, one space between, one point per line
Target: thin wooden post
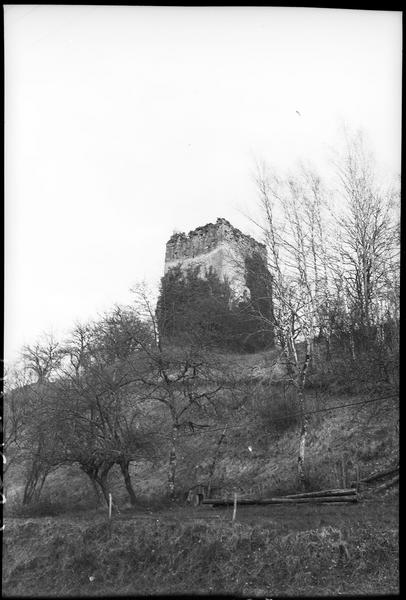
357 477
235 506
336 474
110 512
343 471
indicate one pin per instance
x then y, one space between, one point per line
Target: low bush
278 410
46 507
43 508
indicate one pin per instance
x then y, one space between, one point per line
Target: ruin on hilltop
218 246
217 289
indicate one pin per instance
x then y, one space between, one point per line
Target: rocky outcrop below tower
218 246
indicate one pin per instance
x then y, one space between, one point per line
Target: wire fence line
299 414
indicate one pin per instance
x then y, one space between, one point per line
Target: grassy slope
364 436
309 551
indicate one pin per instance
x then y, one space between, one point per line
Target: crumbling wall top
205 238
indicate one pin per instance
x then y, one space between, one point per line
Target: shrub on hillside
375 366
278 410
48 507
43 508
203 309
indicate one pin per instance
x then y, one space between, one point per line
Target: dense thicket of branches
83 411
201 308
334 258
115 395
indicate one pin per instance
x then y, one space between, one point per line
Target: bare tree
293 232
15 411
97 401
76 351
346 286
39 439
368 241
43 358
184 381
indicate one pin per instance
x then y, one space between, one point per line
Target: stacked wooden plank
321 497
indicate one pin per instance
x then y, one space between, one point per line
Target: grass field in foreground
316 551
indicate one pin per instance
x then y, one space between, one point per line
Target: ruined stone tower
219 246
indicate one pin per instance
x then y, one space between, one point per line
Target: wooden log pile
338 495
321 497
377 477
388 484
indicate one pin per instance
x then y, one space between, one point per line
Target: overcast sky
125 123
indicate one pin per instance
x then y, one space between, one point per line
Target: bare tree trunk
36 473
102 481
95 489
127 480
173 461
213 463
343 471
39 487
29 489
92 474
328 346
304 419
352 346
302 443
100 476
289 353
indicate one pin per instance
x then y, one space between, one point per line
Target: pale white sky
124 123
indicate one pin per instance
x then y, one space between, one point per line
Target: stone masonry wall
220 246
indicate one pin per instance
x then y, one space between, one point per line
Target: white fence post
235 506
109 522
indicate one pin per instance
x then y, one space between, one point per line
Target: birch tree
334 260
294 233
368 239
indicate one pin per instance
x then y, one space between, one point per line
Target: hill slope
253 447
